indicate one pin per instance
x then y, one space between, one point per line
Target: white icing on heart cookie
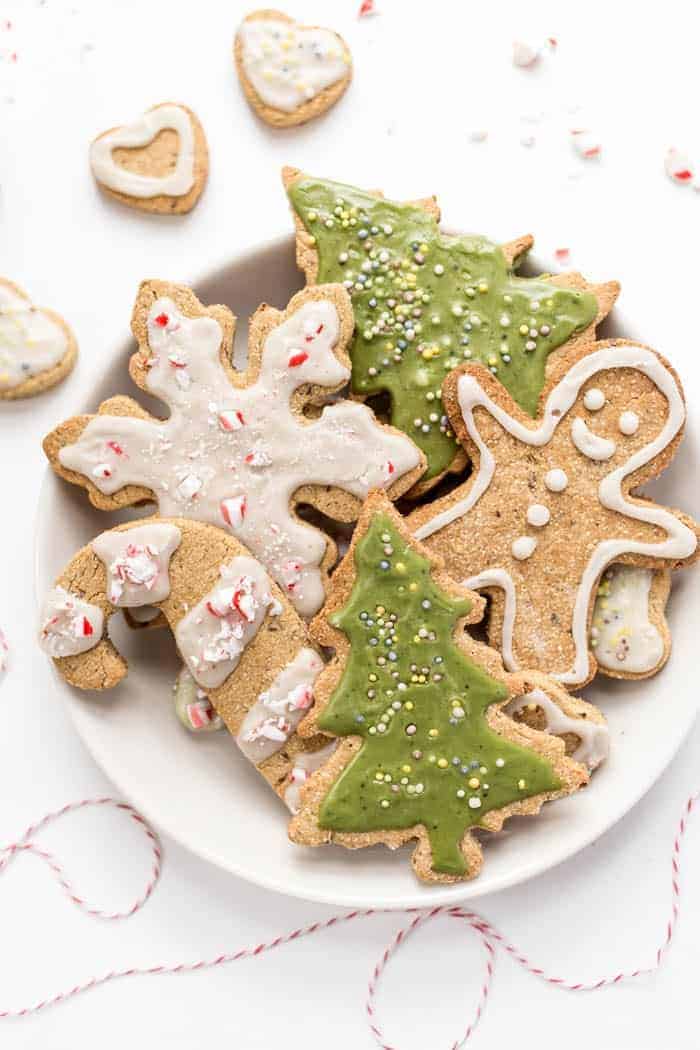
141 133
289 65
69 624
212 636
594 737
622 636
234 457
137 563
680 541
30 340
279 710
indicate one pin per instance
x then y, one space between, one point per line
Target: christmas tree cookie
425 750
552 503
424 302
241 450
246 649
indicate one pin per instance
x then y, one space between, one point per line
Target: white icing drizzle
622 636
594 737
270 722
212 636
594 399
628 423
589 444
234 457
538 515
289 65
680 540
69 625
143 131
30 341
503 579
137 562
193 707
556 480
523 547
305 764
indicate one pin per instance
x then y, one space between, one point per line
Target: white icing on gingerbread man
234 456
602 522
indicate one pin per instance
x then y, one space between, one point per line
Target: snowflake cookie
552 502
426 751
424 302
241 450
247 653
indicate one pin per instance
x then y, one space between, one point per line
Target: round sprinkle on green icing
424 302
429 740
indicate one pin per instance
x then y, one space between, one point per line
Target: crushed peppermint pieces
4 652
585 143
678 167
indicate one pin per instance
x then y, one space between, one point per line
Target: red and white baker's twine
491 939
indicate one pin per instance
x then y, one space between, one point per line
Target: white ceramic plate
200 791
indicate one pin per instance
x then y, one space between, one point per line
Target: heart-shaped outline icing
141 133
310 104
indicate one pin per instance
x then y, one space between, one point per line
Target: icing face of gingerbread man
234 455
548 507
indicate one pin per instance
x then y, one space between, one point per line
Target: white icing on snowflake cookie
290 73
235 455
37 348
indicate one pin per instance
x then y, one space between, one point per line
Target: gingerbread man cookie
425 302
37 348
241 450
550 504
426 752
245 648
158 163
290 73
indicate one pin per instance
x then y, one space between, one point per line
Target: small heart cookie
37 348
158 163
290 73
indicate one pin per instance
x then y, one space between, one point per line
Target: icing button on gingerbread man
551 504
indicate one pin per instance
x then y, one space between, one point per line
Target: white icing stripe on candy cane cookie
69 625
289 65
212 636
681 541
137 563
594 737
279 710
30 341
141 133
234 457
305 764
622 636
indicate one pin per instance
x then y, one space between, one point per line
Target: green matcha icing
429 756
425 302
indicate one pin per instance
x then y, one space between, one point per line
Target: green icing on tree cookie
419 703
425 302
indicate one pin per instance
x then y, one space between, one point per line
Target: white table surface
426 75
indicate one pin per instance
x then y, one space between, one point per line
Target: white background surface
425 76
